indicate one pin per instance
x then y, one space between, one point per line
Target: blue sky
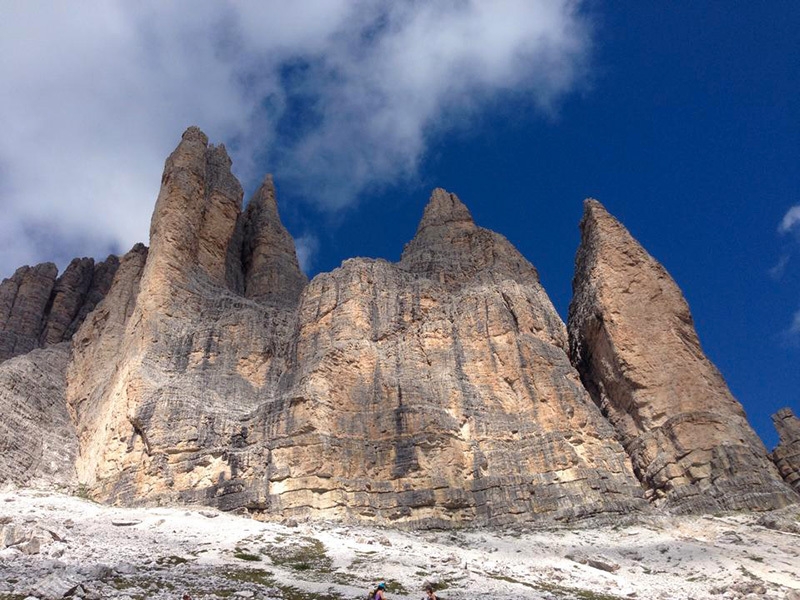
681 117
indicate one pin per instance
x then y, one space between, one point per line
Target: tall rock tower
167 372
633 341
438 391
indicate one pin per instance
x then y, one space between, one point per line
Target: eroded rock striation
439 391
23 299
38 310
435 391
169 419
38 445
633 340
787 454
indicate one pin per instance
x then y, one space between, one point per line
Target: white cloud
794 329
777 271
333 96
307 246
791 220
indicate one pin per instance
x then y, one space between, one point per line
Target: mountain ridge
439 391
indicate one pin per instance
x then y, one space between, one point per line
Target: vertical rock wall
787 453
189 358
435 391
37 310
438 391
38 445
633 341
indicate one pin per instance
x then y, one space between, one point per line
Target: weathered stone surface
56 586
787 454
38 310
451 249
186 360
98 347
435 391
269 259
76 292
633 341
424 397
23 300
38 443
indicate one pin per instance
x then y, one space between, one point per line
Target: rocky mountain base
55 546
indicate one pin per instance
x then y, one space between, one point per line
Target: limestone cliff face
38 445
23 299
451 249
434 391
38 310
633 340
439 391
269 259
787 454
169 417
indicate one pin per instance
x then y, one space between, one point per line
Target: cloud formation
789 224
333 96
791 220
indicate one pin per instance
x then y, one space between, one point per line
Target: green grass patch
559 591
292 593
395 587
171 561
258 576
121 583
300 554
245 554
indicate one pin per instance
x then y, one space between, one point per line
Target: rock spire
451 249
435 392
633 341
269 257
38 309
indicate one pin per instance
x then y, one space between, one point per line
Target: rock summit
440 391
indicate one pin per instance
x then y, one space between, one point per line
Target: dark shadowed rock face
76 292
38 310
23 300
787 453
633 341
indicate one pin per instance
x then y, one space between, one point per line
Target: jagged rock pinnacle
633 341
445 208
24 299
269 257
437 391
450 248
194 219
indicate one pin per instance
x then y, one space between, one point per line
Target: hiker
380 592
429 595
